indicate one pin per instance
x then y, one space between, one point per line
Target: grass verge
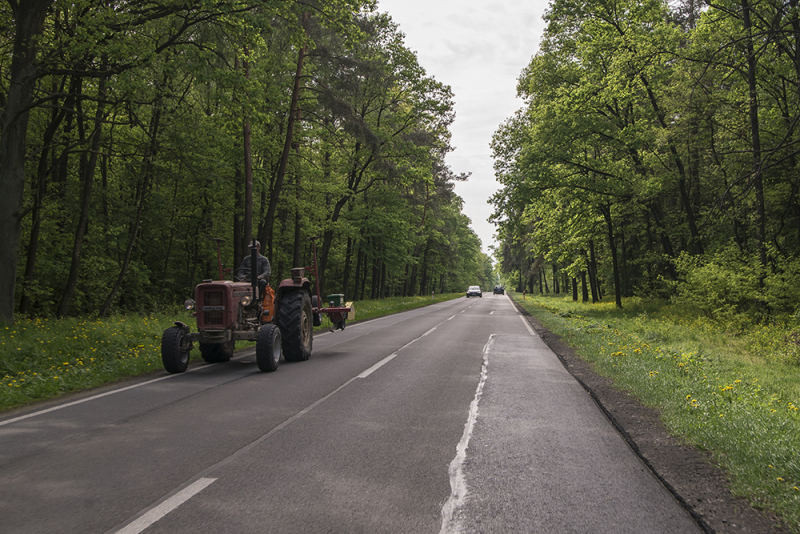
44 358
734 395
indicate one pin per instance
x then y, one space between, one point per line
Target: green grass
369 309
735 395
44 358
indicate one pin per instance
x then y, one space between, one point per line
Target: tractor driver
262 268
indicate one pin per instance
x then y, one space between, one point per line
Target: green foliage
166 91
725 286
732 288
651 137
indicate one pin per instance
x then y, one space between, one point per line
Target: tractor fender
183 326
290 285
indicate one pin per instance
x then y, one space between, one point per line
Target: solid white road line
458 483
93 397
166 507
527 325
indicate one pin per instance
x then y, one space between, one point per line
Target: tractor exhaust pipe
254 269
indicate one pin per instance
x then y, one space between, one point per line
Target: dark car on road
474 291
499 290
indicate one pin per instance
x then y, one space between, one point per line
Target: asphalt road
451 418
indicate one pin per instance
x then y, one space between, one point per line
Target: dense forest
138 134
656 155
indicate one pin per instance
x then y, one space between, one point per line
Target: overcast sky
478 48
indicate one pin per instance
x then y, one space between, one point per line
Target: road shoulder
699 485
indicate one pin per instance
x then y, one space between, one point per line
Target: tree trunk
382 292
171 239
294 106
147 174
364 277
556 288
697 243
88 166
544 277
374 280
356 293
348 259
247 230
40 190
423 283
593 273
584 288
624 262
758 183
29 17
612 245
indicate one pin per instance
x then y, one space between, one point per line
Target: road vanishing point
451 418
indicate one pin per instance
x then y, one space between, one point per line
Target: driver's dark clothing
263 268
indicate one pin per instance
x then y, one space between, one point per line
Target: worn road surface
451 418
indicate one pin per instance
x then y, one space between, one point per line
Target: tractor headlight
246 300
189 304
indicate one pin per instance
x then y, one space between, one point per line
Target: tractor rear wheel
174 351
217 352
268 348
294 320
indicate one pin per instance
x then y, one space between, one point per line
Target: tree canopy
136 136
656 154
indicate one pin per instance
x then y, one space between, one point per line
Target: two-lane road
451 418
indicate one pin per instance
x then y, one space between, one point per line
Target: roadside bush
782 284
724 286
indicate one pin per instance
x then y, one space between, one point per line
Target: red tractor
281 323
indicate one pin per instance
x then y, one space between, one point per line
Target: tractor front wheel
174 350
294 320
268 348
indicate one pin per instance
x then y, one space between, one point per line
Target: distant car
474 291
499 290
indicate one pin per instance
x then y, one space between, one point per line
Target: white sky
478 48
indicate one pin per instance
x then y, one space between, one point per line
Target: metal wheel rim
305 327
183 347
276 348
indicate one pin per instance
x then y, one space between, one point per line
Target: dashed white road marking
154 514
378 365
